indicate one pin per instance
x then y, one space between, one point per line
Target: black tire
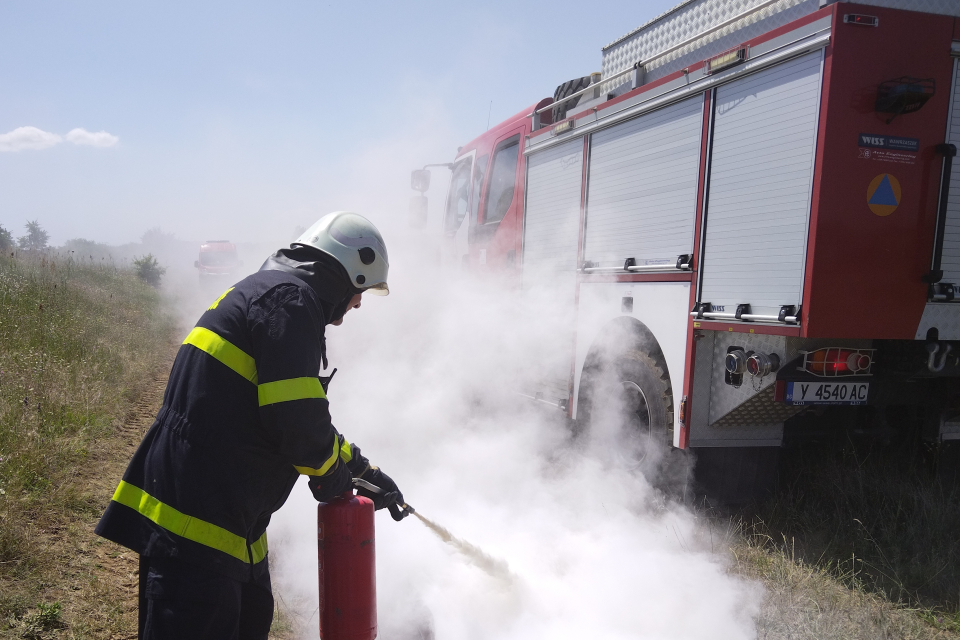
640 383
637 384
568 88
646 387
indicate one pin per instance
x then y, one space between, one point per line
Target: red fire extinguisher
348 573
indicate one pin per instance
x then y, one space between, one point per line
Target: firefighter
244 415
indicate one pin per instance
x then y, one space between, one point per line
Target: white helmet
356 244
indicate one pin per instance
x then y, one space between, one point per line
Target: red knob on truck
348 572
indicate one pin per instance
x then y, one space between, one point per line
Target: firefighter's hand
390 493
335 483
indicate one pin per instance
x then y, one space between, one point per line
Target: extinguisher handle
369 486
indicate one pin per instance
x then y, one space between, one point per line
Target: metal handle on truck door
948 151
682 263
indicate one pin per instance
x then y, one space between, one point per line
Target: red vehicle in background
218 263
751 216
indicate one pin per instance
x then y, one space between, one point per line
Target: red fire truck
217 264
751 215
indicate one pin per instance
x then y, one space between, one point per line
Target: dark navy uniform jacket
243 416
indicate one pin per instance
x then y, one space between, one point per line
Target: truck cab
217 263
483 212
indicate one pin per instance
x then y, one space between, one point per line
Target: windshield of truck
503 179
218 258
458 198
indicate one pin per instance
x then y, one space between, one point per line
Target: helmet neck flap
325 275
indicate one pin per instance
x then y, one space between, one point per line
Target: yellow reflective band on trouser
224 351
332 460
291 389
188 527
346 451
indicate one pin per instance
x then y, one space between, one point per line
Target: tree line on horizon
37 239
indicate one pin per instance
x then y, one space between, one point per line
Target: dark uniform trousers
183 601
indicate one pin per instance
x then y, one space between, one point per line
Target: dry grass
78 345
811 601
861 541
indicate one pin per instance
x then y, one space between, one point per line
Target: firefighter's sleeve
293 405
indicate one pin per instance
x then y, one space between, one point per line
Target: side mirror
196 264
420 180
417 215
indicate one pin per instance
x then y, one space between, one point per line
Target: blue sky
256 117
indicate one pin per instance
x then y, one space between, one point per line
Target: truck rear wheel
633 389
632 393
646 395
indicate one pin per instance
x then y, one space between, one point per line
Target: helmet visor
378 289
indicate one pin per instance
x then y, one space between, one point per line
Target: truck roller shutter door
552 219
950 261
758 209
551 233
642 198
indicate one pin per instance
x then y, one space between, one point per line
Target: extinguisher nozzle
399 512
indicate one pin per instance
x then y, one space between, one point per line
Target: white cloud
28 138
32 138
97 139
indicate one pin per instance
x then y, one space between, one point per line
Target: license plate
827 392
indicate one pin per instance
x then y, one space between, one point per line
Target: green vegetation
6 240
149 270
81 249
40 623
36 238
76 345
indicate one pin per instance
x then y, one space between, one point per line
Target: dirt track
98 586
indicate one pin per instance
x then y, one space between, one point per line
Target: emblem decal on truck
889 142
888 148
883 194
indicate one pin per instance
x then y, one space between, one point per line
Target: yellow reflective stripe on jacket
188 527
291 389
224 351
332 460
346 451
259 548
222 296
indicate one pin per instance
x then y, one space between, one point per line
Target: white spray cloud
83 137
32 138
24 138
575 540
427 387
